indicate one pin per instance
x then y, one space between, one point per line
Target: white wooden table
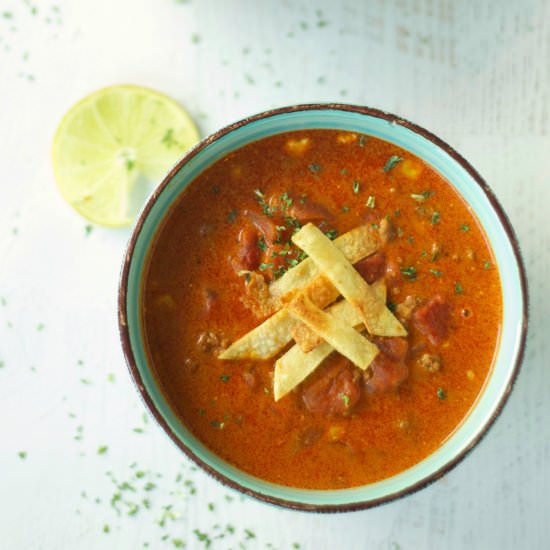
74 434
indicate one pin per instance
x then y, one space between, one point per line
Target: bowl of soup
311 305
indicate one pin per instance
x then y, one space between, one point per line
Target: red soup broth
341 427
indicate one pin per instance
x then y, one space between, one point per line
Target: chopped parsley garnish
392 162
102 450
88 229
421 197
332 234
464 228
458 288
356 187
314 168
22 455
397 213
423 254
409 272
286 200
260 197
487 265
362 141
441 394
262 244
436 272
344 172
435 217
303 199
375 226
216 424
263 267
345 209
232 216
371 201
225 377
345 398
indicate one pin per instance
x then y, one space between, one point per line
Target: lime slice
113 145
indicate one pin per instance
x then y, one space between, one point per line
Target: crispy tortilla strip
358 242
341 336
307 339
377 317
295 366
354 245
264 341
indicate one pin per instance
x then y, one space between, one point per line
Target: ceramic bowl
467 182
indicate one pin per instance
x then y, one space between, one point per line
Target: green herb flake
263 267
345 398
344 172
249 534
436 217
421 197
375 226
178 543
362 140
356 187
102 450
7 15
232 216
106 529
195 38
286 200
458 288
409 272
168 138
393 161
332 234
371 202
345 209
22 455
314 168
262 245
88 230
487 265
138 430
441 394
464 228
217 424
436 272
225 377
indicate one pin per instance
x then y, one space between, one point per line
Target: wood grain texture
475 73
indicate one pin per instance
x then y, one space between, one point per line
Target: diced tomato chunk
309 211
248 254
264 225
335 393
387 374
394 348
372 268
432 319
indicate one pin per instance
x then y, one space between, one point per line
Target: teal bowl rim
341 506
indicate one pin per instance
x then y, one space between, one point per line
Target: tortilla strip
377 317
264 341
295 366
272 335
341 336
307 339
354 245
